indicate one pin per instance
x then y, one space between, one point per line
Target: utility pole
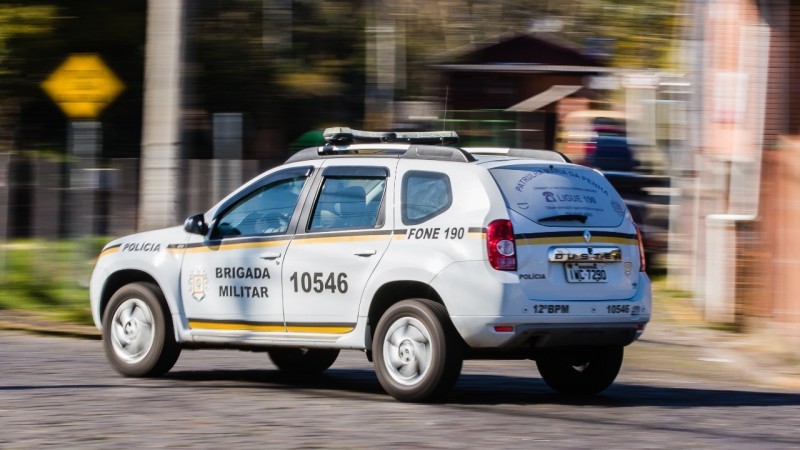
381 65
159 174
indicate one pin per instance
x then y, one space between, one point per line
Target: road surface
58 392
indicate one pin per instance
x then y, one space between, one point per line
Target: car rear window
560 196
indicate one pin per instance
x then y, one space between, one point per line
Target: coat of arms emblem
198 282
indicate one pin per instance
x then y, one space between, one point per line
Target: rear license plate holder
586 272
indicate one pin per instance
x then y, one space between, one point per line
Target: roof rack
547 155
406 151
346 136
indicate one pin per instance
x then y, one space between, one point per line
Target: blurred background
124 116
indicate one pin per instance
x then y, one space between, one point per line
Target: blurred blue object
612 153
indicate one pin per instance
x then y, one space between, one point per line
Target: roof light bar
344 136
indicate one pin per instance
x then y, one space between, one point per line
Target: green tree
17 22
21 21
643 33
638 35
289 66
49 31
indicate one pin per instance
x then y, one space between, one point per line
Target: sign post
5 159
82 86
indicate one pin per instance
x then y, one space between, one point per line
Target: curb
764 361
761 363
35 323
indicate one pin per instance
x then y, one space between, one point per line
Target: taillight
642 265
501 246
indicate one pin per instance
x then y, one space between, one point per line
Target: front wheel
137 333
417 352
303 361
585 371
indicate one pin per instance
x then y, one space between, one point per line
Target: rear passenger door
343 233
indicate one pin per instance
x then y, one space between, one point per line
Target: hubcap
132 331
407 351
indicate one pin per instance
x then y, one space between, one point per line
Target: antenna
446 95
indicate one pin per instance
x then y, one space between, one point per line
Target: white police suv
421 255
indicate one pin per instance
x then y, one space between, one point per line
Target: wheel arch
123 277
395 291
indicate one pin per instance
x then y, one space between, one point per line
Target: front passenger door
232 280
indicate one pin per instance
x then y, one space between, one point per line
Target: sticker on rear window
560 196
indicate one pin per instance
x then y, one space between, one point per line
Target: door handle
270 256
365 253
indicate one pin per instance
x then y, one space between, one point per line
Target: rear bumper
481 333
492 312
535 336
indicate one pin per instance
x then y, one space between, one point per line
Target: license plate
586 272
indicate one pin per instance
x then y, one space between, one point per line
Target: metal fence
47 198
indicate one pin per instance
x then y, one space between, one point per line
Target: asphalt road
60 393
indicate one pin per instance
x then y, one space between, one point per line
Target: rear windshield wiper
565 218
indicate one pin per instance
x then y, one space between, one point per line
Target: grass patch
49 277
726 327
660 283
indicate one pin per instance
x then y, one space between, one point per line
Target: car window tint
265 211
425 196
348 202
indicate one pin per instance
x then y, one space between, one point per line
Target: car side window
346 202
266 211
425 195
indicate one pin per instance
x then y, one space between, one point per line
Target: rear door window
560 196
350 198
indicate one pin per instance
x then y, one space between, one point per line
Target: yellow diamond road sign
82 86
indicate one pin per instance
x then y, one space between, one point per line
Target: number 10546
618 309
319 282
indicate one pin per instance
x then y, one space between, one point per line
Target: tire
581 372
303 361
417 352
137 334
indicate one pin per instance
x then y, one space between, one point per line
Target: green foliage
22 22
50 277
289 65
642 33
639 34
36 36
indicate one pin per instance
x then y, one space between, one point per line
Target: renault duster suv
417 252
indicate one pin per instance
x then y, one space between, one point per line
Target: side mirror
196 224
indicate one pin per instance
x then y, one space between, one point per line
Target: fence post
4 160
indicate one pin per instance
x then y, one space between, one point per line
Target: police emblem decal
619 209
198 282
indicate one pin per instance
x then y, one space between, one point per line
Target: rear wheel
137 334
303 361
586 371
417 352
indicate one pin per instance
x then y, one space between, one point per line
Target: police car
402 245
